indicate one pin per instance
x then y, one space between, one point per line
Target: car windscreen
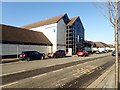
27 51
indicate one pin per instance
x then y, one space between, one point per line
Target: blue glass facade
79 34
75 36
74 33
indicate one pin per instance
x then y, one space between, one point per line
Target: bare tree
113 17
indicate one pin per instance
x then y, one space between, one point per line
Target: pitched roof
44 22
72 20
15 34
111 46
90 42
106 45
101 44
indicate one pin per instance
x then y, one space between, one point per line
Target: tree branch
109 13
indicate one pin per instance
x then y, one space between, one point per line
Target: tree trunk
117 58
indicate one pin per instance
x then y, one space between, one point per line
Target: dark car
113 53
31 55
59 53
82 53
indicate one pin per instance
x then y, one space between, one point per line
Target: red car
82 53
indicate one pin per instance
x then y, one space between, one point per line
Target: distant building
91 46
15 40
96 46
100 46
88 46
64 33
112 47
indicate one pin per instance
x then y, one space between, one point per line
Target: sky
97 26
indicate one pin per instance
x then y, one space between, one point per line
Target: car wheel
28 59
22 59
54 56
42 57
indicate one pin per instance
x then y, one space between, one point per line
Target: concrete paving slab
106 80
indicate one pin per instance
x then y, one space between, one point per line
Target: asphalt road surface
75 75
21 66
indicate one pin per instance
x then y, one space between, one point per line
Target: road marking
82 72
8 84
90 72
57 85
63 79
77 76
63 85
88 66
39 75
12 73
74 74
75 82
86 62
57 70
99 68
70 85
87 70
71 66
51 65
92 67
60 63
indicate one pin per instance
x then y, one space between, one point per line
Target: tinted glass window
36 53
57 51
80 51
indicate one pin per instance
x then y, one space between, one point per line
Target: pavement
106 80
9 60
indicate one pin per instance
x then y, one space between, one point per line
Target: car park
31 55
82 53
57 54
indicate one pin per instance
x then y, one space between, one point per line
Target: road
22 66
73 74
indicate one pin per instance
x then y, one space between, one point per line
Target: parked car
31 55
106 51
97 52
82 53
113 53
59 53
